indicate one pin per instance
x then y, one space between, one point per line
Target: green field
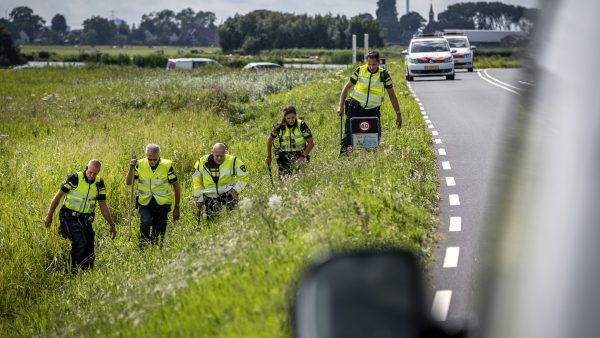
233 278
131 50
156 56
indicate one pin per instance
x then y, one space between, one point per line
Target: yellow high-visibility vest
83 198
369 89
231 174
154 183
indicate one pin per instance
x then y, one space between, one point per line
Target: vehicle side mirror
473 47
361 294
453 51
404 52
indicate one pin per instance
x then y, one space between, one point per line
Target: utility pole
407 6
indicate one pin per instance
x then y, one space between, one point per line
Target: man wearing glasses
158 190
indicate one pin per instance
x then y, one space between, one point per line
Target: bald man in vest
158 192
368 83
81 191
218 179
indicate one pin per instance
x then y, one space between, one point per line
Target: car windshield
458 43
429 46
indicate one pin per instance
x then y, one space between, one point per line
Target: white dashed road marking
454 200
438 141
442 152
430 126
441 304
451 258
434 133
446 165
455 224
450 181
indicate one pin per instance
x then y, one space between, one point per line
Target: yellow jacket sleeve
241 176
198 182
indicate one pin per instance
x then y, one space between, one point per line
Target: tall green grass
234 277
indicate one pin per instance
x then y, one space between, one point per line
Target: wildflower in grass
274 202
246 204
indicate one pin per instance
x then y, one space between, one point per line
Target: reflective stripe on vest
154 183
225 183
83 198
291 139
368 90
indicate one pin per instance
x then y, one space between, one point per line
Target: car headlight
467 55
413 61
448 59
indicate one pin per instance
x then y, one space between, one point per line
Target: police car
428 55
463 57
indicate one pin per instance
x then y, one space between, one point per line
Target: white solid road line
455 224
450 181
496 84
500 82
451 258
442 152
454 200
441 304
446 165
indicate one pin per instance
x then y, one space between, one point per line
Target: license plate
431 67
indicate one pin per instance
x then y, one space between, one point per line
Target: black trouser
78 229
353 111
286 161
153 223
213 205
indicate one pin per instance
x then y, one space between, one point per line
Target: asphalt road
467 118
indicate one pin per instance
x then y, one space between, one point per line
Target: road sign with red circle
364 126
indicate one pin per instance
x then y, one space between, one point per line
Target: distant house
149 37
23 38
489 38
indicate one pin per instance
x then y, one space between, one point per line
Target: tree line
466 15
185 28
262 29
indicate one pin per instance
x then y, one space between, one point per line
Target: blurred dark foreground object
363 294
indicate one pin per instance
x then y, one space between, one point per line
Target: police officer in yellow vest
370 82
218 179
81 191
294 142
158 189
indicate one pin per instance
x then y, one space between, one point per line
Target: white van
189 63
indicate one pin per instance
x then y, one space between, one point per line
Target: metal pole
353 49
131 205
366 46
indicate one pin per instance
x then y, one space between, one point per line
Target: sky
76 11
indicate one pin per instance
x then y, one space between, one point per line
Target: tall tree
486 15
24 20
59 23
98 31
412 22
9 53
387 17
